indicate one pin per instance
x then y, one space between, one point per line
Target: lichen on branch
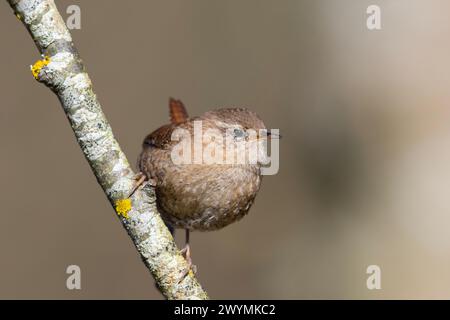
38 65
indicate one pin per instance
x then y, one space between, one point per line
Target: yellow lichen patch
36 68
18 16
123 206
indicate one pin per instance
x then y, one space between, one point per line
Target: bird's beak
267 135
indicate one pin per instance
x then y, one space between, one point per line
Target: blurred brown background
365 156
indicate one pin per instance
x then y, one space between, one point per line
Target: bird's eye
238 133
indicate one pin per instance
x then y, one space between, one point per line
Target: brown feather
159 138
178 113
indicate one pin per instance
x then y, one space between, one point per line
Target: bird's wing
178 113
160 138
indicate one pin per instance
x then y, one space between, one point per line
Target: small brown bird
202 196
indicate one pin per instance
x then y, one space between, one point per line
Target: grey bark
62 70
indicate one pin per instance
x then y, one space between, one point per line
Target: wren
202 196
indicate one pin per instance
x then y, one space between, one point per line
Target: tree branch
62 70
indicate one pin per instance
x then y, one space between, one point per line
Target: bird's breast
200 196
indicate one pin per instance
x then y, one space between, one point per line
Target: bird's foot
140 179
186 253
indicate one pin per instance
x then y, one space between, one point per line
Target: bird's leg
139 180
186 252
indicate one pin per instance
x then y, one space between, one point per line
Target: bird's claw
186 253
140 180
